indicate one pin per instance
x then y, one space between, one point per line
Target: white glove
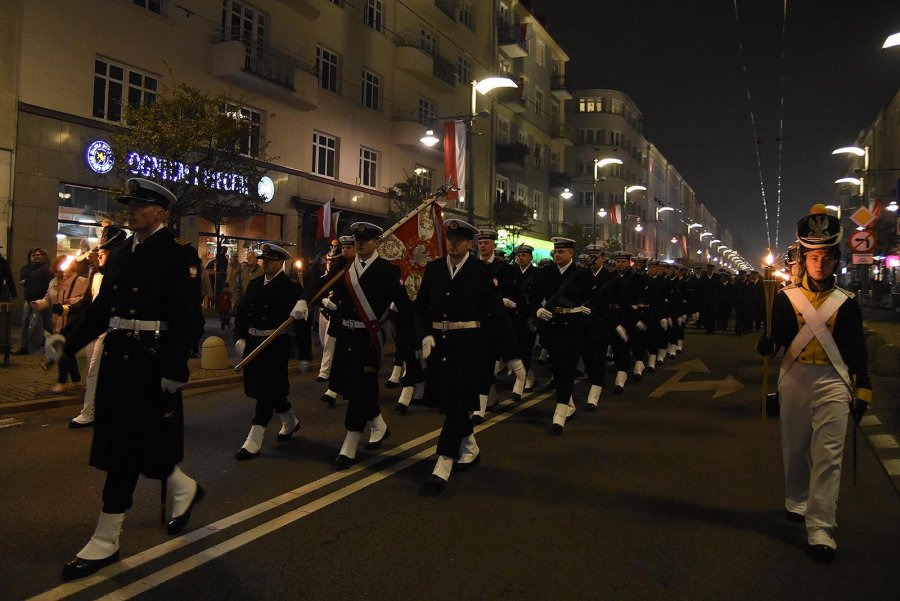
695 316
622 333
170 386
300 310
664 323
393 308
586 310
669 321
517 367
53 348
509 304
327 303
239 345
680 320
428 345
303 365
641 326
544 314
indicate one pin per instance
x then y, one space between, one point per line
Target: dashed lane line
181 567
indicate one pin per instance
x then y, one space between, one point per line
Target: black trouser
457 425
566 337
266 406
356 360
593 353
621 353
525 337
118 491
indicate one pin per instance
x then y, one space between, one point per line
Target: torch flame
298 264
769 258
66 262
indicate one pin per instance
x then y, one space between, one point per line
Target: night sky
679 61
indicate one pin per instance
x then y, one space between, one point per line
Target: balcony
305 8
512 99
418 60
511 41
448 7
511 157
559 87
562 132
266 71
445 71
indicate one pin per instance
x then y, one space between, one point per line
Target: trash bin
5 335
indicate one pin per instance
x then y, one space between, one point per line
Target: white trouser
814 409
90 380
327 354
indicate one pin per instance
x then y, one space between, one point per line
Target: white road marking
883 441
9 422
175 570
870 420
892 466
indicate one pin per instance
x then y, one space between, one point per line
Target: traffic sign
863 259
863 217
862 241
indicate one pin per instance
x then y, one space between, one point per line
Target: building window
585 200
424 177
540 53
502 189
249 145
538 102
154 6
338 3
426 41
538 156
467 15
590 105
374 14
502 130
324 156
240 21
426 111
522 194
554 161
327 67
115 84
555 64
615 138
78 219
616 106
463 70
537 202
368 167
505 66
371 90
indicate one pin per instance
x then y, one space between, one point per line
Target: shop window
81 209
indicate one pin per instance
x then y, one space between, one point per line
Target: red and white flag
324 224
615 214
455 159
412 245
683 241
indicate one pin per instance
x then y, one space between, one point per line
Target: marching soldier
661 294
347 250
559 299
455 298
602 322
523 277
149 307
822 381
360 301
266 303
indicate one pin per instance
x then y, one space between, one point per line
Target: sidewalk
25 384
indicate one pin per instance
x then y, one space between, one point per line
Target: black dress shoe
401 409
461 467
637 377
793 516
590 407
556 429
244 455
822 553
651 369
391 384
321 379
327 398
526 390
477 419
436 483
79 568
22 351
176 525
516 397
287 437
342 462
618 389
73 425
371 446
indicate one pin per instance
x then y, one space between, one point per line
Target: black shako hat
818 229
138 188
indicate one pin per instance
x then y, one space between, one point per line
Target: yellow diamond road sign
862 217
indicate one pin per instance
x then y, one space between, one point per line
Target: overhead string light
780 121
762 187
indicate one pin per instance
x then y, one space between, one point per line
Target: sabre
439 193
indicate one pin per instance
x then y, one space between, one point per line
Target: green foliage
613 245
192 131
512 216
405 196
576 232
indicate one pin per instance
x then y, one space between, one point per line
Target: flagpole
769 288
440 193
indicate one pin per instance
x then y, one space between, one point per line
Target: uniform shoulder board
182 241
847 292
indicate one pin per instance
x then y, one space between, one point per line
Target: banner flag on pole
455 159
323 221
684 251
414 244
615 214
334 223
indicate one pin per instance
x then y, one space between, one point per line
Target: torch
769 283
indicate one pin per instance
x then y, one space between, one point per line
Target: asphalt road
663 493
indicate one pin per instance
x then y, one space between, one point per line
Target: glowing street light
849 180
566 194
892 40
693 225
429 139
860 152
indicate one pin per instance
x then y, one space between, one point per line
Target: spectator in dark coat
35 279
7 283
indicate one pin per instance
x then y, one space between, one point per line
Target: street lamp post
656 231
598 164
628 189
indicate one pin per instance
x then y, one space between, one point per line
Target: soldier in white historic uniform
822 381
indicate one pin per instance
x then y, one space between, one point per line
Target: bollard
213 354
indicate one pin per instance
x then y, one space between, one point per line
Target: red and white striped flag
455 159
324 224
683 241
615 214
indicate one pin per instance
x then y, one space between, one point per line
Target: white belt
260 333
353 325
455 325
137 325
641 306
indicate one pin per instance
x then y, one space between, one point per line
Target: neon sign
100 160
